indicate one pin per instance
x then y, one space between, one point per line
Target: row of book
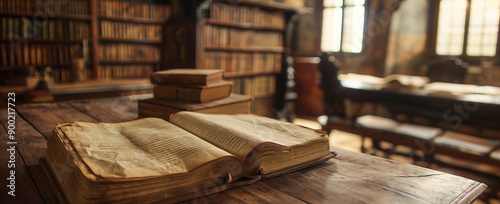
232 13
296 3
262 106
46 8
127 9
241 38
242 61
123 51
19 54
119 30
45 29
65 75
258 85
125 71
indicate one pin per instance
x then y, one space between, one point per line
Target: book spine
129 52
177 93
180 80
134 10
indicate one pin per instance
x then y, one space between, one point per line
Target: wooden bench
434 125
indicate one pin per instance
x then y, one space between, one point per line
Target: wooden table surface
348 178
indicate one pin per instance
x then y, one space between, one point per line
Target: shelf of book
45 7
246 39
243 25
124 40
290 5
38 16
246 49
128 62
43 41
133 20
248 74
47 33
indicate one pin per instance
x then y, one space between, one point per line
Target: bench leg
363 149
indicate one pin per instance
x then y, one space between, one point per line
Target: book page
140 148
239 134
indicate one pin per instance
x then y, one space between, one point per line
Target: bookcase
129 38
44 33
246 39
118 39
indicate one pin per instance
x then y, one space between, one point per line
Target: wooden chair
446 70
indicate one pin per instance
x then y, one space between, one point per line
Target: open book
151 159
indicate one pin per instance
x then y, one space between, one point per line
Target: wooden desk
350 177
474 109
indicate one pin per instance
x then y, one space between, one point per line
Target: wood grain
43 117
25 188
358 178
255 193
109 109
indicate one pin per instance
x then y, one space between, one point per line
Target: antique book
154 107
193 77
202 94
195 154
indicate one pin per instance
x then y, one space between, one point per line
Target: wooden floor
352 142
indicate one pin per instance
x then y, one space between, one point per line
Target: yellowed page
140 148
239 134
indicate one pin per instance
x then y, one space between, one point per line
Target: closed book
193 77
202 94
154 107
28 81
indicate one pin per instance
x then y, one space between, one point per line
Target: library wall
407 39
115 39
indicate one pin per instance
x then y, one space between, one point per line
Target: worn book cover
202 94
160 108
193 77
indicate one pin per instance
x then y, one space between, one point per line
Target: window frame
365 27
432 37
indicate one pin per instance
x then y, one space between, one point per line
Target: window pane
352 40
451 27
332 28
483 28
332 3
354 2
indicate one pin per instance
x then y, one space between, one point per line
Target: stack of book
196 90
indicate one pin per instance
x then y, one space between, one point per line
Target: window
471 29
343 24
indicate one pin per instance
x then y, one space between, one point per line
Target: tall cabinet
249 40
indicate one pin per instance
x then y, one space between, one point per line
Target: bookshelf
129 38
44 33
246 39
119 39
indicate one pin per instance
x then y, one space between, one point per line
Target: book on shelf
233 104
139 10
150 160
193 77
201 94
66 8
